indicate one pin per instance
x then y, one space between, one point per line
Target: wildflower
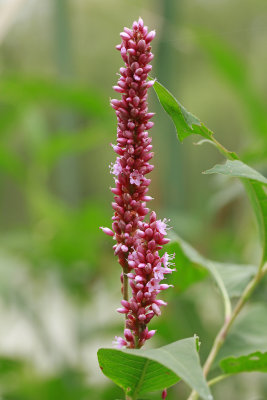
137 242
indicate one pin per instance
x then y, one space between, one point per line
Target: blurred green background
59 281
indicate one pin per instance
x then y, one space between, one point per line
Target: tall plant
137 244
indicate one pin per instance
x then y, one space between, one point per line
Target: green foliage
142 371
185 123
251 179
248 334
253 182
231 279
237 169
253 362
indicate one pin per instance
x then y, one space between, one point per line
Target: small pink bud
150 36
150 334
164 394
107 231
164 286
128 335
125 303
139 295
125 36
149 125
140 22
141 45
156 309
160 302
122 310
118 89
142 317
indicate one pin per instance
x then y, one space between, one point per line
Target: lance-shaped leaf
237 169
185 123
142 371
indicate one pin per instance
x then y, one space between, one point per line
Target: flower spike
137 242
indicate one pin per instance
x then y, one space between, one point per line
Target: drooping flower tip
107 231
164 394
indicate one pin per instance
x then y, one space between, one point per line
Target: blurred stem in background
8 13
68 175
167 72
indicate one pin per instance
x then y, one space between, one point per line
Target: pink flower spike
107 231
138 239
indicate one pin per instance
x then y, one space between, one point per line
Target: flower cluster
137 242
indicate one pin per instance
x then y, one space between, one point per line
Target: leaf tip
197 341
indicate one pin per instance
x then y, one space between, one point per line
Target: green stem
221 336
125 286
218 379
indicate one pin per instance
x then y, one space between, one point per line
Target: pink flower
137 242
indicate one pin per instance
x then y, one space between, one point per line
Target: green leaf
230 278
253 362
237 169
185 123
142 371
248 334
235 276
253 182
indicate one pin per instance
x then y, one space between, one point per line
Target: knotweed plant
137 241
139 236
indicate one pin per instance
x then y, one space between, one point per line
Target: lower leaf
142 371
249 363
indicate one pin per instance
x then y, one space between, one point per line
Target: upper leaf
237 169
185 123
142 371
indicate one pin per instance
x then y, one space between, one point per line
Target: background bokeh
59 281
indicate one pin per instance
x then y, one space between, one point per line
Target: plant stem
221 336
125 286
125 290
217 379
